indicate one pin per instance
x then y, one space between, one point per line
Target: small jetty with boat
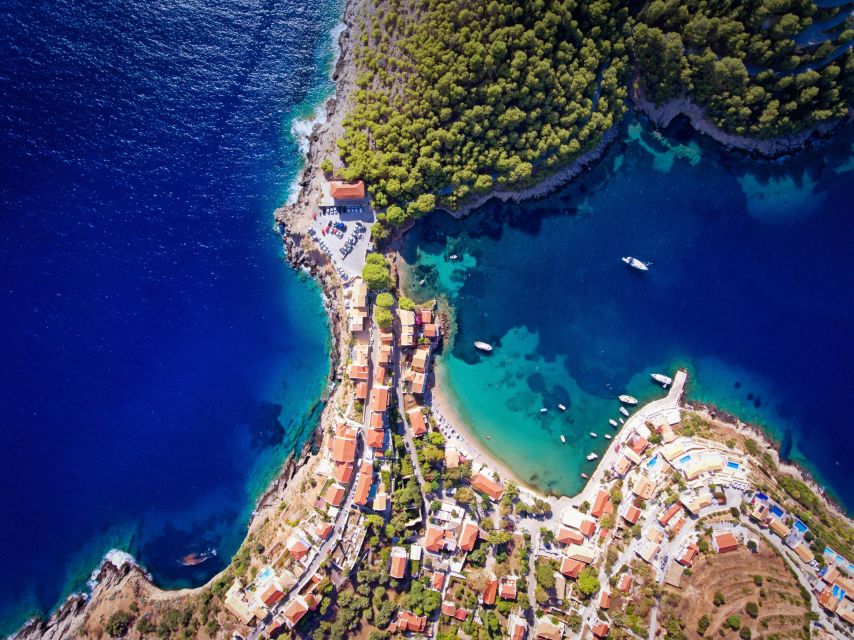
662 379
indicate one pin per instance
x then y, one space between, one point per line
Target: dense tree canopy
741 60
459 97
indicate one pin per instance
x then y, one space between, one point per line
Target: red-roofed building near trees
487 485
343 191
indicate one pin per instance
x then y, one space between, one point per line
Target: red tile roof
399 559
361 390
600 630
297 548
461 614
335 494
416 419
726 542
272 593
438 580
374 438
632 515
343 449
294 611
507 589
468 536
625 583
357 372
689 555
668 515
449 608
324 529
566 535
599 504
571 568
434 538
490 591
488 486
639 444
347 190
343 472
588 527
408 621
380 397
363 486
605 600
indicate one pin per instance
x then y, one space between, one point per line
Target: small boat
585 476
543 410
561 407
483 346
624 411
453 256
634 263
621 421
593 435
563 438
628 399
613 423
592 456
662 379
489 437
421 283
607 436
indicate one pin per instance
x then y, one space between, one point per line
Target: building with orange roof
605 600
399 560
490 591
362 391
487 485
449 609
375 438
323 530
343 191
638 444
343 449
599 504
386 353
294 611
408 621
377 420
565 535
689 555
725 542
517 627
676 526
588 527
272 593
363 485
622 466
468 535
547 630
343 472
624 584
335 494
380 375
297 547
357 372
418 383
507 588
434 539
417 421
462 614
669 513
430 330
632 515
380 398
571 568
600 629
426 315
437 581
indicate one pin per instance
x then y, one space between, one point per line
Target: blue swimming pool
684 459
777 511
265 574
652 461
733 465
800 527
838 559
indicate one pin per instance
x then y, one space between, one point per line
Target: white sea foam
116 557
301 128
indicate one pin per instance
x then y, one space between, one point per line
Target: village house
399 559
485 484
725 542
517 627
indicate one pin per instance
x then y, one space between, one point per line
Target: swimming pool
652 461
838 559
800 527
733 465
265 574
684 459
777 511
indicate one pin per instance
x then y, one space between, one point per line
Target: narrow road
409 441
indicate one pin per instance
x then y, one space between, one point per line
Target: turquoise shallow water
748 288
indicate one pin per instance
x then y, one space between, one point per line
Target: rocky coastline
129 581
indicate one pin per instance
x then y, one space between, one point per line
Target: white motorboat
561 407
563 438
543 410
662 379
628 399
585 476
613 423
453 256
624 411
592 456
607 436
483 346
634 263
593 435
621 421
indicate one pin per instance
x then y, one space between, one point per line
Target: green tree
588 583
118 624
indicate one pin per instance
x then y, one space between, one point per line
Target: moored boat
607 436
585 476
543 410
634 263
613 422
621 421
593 434
563 438
483 346
592 456
662 379
624 411
561 407
628 399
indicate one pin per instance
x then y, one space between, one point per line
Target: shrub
703 624
734 622
326 166
118 624
385 300
718 599
752 609
745 633
757 580
406 303
383 317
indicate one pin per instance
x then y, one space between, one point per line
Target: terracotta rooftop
294 611
399 558
416 419
468 536
335 494
272 593
488 486
599 504
571 568
726 542
490 591
343 449
380 396
347 190
565 535
408 621
343 472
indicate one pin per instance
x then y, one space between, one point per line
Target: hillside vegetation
459 97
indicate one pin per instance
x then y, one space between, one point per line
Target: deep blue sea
750 288
159 361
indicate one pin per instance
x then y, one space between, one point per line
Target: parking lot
344 234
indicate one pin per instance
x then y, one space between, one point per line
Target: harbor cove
748 288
